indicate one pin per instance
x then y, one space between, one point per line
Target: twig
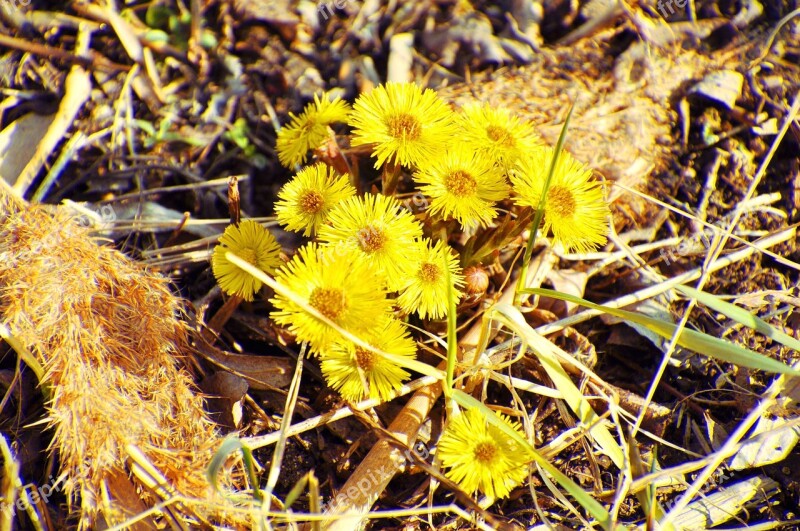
78 87
91 60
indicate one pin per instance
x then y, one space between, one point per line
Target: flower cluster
373 265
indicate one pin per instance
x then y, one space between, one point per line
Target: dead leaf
17 143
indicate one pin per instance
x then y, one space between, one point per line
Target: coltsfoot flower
307 199
378 228
480 456
250 242
358 373
463 184
575 208
425 291
406 124
310 129
340 284
497 134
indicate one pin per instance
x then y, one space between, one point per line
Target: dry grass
110 336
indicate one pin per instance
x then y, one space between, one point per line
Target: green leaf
690 339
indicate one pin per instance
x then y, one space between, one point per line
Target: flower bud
477 280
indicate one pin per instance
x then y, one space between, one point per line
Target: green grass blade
741 316
537 220
228 446
547 354
690 339
452 342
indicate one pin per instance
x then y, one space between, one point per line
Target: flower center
329 302
485 452
500 135
404 126
460 183
429 272
561 202
365 359
371 239
311 202
248 255
308 126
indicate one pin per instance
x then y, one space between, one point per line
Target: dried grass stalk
108 334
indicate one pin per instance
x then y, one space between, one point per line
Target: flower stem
537 220
390 177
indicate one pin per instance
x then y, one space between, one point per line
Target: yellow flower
464 185
481 457
308 198
575 208
425 291
406 124
252 243
379 229
310 129
496 133
358 373
340 284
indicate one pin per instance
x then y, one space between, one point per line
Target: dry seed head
109 345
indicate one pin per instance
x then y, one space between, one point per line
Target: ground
142 113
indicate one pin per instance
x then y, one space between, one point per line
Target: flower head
425 291
574 208
481 457
339 284
252 243
358 373
406 124
305 201
310 129
496 133
463 184
379 229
